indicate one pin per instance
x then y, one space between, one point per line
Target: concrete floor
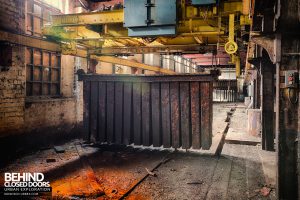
110 172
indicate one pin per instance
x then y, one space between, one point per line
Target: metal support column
267 74
288 120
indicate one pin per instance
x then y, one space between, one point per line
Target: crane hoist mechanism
162 26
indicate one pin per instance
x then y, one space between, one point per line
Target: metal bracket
272 44
149 21
149 5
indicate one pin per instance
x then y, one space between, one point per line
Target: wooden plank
185 115
195 115
206 135
127 136
175 118
110 111
94 111
137 113
155 103
118 112
102 112
165 115
86 110
146 114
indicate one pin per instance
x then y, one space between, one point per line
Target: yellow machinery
197 28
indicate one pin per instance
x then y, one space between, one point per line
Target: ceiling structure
210 32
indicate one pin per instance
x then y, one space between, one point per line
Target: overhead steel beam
29 41
130 63
91 18
171 49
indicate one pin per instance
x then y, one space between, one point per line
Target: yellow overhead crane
103 35
198 27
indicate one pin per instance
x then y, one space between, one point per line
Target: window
42 73
55 3
42 67
5 57
38 14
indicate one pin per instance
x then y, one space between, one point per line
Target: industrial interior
149 99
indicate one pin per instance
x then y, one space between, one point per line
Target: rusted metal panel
119 112
156 117
185 115
149 110
225 84
195 115
175 115
94 113
146 114
110 98
137 113
127 114
102 112
225 91
86 108
165 114
206 121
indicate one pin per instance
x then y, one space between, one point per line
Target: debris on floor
195 183
59 149
50 160
149 172
265 191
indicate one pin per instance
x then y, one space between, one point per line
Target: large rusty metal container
160 110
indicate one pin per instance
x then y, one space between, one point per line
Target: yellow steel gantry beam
91 18
114 33
193 48
28 41
231 27
93 40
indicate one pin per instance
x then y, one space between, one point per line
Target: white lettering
41 177
7 177
15 177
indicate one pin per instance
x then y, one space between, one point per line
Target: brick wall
12 94
12 82
12 15
23 115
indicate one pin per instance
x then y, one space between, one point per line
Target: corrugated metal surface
225 91
169 111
